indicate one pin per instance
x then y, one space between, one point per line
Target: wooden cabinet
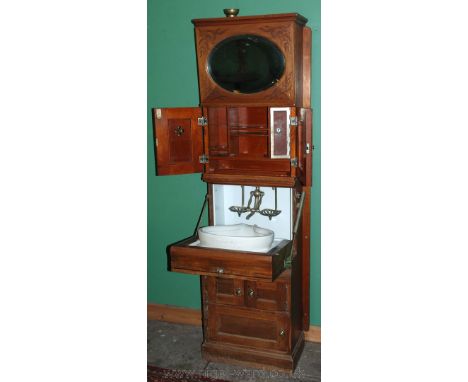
235 145
287 32
253 128
251 322
268 296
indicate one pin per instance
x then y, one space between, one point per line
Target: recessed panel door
178 140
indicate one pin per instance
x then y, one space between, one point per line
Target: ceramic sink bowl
239 237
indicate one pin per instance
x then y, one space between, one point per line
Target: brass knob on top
231 12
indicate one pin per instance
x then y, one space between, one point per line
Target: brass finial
231 12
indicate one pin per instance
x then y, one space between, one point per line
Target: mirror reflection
246 64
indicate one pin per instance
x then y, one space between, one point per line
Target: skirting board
190 316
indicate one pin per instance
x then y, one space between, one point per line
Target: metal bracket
202 121
293 121
289 258
203 159
201 214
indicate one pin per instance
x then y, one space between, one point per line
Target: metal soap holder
256 196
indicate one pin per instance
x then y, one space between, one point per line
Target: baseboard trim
174 314
191 316
313 334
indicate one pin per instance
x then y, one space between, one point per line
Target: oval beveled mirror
246 64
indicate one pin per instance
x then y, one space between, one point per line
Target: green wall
174 202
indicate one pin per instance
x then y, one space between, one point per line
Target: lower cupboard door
249 327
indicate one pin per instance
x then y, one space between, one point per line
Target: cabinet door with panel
272 296
178 140
225 291
248 327
234 145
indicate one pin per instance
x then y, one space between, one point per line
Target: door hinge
294 162
203 158
202 121
293 121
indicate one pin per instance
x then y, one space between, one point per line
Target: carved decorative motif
217 95
207 38
281 33
282 89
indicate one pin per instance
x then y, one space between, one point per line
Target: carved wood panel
285 32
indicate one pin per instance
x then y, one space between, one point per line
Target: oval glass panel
246 64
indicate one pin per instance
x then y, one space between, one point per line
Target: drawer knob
282 332
238 291
251 292
220 270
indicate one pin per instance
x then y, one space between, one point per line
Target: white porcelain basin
240 237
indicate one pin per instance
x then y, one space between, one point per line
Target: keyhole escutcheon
179 130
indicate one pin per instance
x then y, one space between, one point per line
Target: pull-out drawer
187 257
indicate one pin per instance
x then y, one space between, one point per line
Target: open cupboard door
178 140
305 147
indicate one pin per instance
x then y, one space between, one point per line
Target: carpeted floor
159 374
177 347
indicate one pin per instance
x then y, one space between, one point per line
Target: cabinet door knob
220 270
251 292
282 332
238 291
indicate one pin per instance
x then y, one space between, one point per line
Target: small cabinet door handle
220 270
238 291
282 332
251 292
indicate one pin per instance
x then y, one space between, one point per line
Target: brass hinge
293 121
202 121
294 162
203 158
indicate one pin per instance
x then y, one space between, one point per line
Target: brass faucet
258 195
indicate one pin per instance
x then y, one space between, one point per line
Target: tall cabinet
251 140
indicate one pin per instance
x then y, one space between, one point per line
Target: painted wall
174 202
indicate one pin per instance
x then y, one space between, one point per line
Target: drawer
248 327
187 258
